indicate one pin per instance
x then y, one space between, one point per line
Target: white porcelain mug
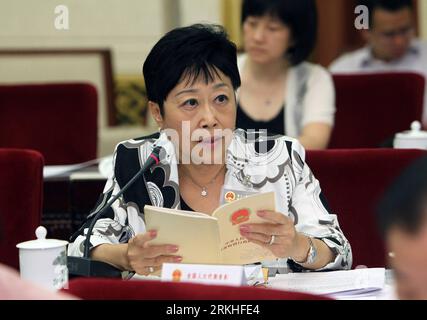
413 139
44 261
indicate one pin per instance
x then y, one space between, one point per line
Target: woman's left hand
280 228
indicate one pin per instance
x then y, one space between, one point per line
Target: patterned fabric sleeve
313 219
117 224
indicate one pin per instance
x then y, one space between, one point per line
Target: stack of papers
359 283
101 171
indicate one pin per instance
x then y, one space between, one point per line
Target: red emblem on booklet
240 216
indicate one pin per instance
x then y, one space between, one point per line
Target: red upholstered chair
352 182
371 108
109 289
21 177
59 120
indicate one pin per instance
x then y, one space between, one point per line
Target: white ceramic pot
413 139
44 261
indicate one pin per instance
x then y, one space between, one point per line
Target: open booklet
216 239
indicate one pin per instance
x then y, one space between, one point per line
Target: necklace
204 189
269 93
272 94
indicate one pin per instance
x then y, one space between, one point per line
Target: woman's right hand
144 258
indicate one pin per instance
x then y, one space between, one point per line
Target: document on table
333 283
60 170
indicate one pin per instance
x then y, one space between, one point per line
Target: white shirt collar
368 58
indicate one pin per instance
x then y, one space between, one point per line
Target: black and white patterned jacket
280 168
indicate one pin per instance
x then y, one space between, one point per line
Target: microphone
85 266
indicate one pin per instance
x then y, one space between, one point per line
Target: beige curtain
231 13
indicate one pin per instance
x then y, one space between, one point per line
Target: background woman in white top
280 91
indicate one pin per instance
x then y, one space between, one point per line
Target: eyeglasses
404 32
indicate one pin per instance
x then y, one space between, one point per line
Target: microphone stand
85 266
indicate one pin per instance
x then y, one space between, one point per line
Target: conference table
351 277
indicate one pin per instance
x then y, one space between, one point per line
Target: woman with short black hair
191 77
280 91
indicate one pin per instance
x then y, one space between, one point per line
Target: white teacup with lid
44 261
413 139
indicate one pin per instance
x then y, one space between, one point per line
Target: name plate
204 274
